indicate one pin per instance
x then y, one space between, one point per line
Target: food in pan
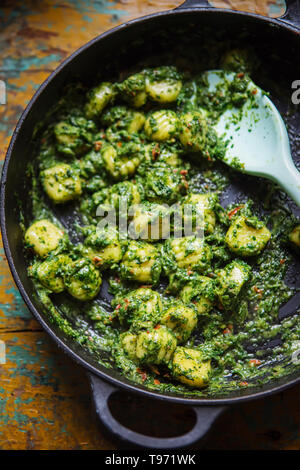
182 309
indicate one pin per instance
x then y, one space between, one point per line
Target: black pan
277 44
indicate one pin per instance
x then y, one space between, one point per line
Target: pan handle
205 418
292 13
194 4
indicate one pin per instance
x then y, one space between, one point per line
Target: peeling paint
44 396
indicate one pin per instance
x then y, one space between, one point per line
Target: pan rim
104 374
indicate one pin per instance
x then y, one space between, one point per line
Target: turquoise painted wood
44 396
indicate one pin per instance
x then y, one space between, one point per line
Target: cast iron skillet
276 42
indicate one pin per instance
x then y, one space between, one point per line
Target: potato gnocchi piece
141 263
82 279
98 98
199 210
119 166
125 191
45 237
188 253
195 133
133 90
230 281
61 183
120 117
151 222
163 84
103 247
128 344
169 158
247 236
162 184
161 125
50 272
200 292
155 346
140 309
294 236
189 367
91 164
181 320
74 136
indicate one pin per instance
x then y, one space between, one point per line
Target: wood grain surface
44 397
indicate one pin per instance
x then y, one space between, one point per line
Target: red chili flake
119 144
148 332
189 272
254 91
282 261
97 260
97 145
157 327
240 75
142 373
154 369
208 155
243 384
167 375
228 330
156 381
155 152
258 291
118 307
183 172
254 362
234 211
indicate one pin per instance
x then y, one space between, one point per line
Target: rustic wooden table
44 396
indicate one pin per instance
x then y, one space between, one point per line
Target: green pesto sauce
239 342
